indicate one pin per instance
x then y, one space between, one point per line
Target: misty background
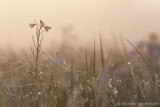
134 19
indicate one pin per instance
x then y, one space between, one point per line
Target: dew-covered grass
89 77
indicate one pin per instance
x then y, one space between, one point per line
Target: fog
134 19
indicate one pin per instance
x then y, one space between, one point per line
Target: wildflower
32 25
47 28
59 60
140 45
42 23
19 62
51 62
32 73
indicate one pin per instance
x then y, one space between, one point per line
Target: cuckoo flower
19 63
47 28
32 25
42 23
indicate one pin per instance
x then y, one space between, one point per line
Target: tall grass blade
139 53
94 59
101 46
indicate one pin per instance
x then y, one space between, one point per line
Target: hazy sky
133 18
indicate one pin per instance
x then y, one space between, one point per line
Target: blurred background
83 19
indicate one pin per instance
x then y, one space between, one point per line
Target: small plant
36 49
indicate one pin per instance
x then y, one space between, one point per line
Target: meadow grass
44 80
